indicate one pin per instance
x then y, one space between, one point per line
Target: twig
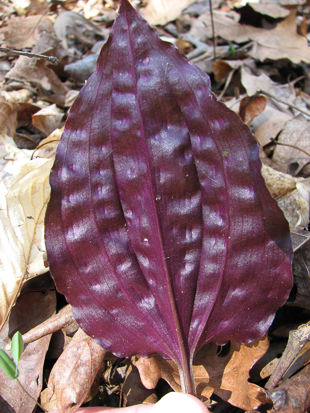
297 340
282 101
51 325
12 52
213 30
228 80
291 146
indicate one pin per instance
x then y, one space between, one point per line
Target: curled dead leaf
23 200
292 195
250 107
221 68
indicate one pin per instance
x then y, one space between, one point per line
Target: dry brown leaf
270 9
227 27
292 195
278 183
282 42
293 395
35 75
228 376
154 368
48 119
269 123
77 35
163 11
73 373
23 200
8 116
23 31
40 307
16 96
252 83
250 107
286 159
225 376
221 68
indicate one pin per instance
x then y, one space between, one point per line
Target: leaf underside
160 230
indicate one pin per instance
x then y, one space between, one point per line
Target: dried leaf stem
291 105
51 59
213 30
291 146
28 394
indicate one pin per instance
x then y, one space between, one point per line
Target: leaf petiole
22 387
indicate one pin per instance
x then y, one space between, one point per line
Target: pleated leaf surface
160 230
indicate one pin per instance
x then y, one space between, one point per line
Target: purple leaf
160 230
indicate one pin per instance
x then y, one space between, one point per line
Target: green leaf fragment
17 346
8 365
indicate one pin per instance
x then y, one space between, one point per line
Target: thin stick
296 342
291 146
282 101
213 30
51 59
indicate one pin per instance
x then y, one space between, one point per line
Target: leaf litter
56 88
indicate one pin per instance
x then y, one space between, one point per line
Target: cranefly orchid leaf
160 230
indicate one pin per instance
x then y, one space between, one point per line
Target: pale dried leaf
154 368
75 32
23 200
47 119
16 96
227 28
270 9
8 116
286 159
162 11
47 147
73 374
10 156
34 74
282 42
253 83
292 195
269 123
23 31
